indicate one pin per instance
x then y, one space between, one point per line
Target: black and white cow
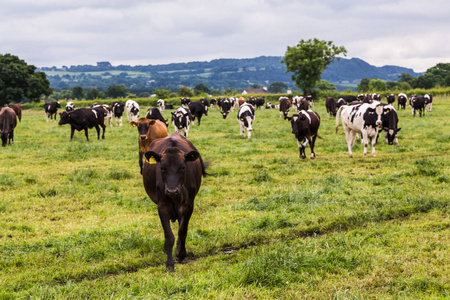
305 126
225 107
245 117
51 109
185 102
161 105
84 118
428 101
341 101
389 124
181 120
330 105
70 106
270 106
402 99
260 102
361 118
285 106
205 102
117 109
310 100
418 103
213 103
302 104
390 98
198 110
154 114
296 99
108 112
132 108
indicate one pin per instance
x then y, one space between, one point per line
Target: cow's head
390 120
180 120
143 125
64 117
172 167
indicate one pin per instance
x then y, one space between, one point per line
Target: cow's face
179 120
64 118
172 167
143 125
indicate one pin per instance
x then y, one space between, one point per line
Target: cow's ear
151 122
152 157
398 129
133 123
191 156
173 114
303 118
287 118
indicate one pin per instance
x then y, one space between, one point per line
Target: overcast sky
407 33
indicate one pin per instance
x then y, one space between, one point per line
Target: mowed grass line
74 213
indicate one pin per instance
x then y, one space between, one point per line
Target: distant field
75 221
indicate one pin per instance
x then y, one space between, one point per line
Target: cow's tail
337 117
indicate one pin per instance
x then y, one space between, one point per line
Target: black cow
285 106
8 121
185 102
330 105
390 98
172 176
107 112
169 106
225 107
155 114
213 102
402 99
197 110
51 109
389 124
205 102
260 102
428 101
181 120
418 103
117 108
305 126
84 118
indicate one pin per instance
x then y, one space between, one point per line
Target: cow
70 106
172 176
161 105
285 105
132 108
251 100
185 102
84 118
418 103
330 105
149 130
310 100
169 106
402 99
213 102
181 120
241 101
8 121
305 126
17 108
225 107
205 102
51 109
296 99
389 124
154 114
269 105
260 102
302 104
117 109
390 98
362 118
246 117
429 101
108 114
341 101
197 110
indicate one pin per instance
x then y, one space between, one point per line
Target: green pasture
76 223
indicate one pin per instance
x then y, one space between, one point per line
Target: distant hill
218 74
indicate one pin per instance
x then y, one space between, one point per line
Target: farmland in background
75 221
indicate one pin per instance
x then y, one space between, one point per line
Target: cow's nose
172 192
143 137
379 123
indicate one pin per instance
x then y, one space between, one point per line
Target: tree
377 85
77 92
162 94
117 91
19 81
202 88
324 85
363 86
308 60
255 86
278 87
184 91
94 94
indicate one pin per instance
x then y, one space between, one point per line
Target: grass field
75 222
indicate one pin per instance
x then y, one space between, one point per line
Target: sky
408 33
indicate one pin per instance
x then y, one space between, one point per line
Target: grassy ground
75 221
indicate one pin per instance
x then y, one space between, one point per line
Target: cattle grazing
225 107
181 120
8 121
251 100
84 118
285 105
260 102
17 108
117 109
269 105
185 102
149 130
418 103
390 98
330 105
161 105
305 126
349 98
302 104
172 176
51 109
108 114
197 110
213 102
389 124
402 99
132 108
362 118
154 114
429 101
340 102
310 100
169 106
70 106
245 117
205 102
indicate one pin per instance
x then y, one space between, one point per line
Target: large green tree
308 60
278 87
117 91
19 81
77 92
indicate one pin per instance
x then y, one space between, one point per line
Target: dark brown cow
305 126
17 109
149 130
8 122
172 177
330 104
285 105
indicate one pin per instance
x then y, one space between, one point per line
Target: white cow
161 105
132 108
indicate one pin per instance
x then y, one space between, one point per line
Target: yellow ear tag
242 119
151 160
387 111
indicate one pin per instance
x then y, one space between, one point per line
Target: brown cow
241 101
17 109
149 130
285 105
8 121
172 176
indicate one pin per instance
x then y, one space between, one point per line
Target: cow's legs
120 121
311 145
242 128
301 148
374 141
103 127
86 134
72 131
98 131
11 138
169 239
350 138
183 221
365 141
